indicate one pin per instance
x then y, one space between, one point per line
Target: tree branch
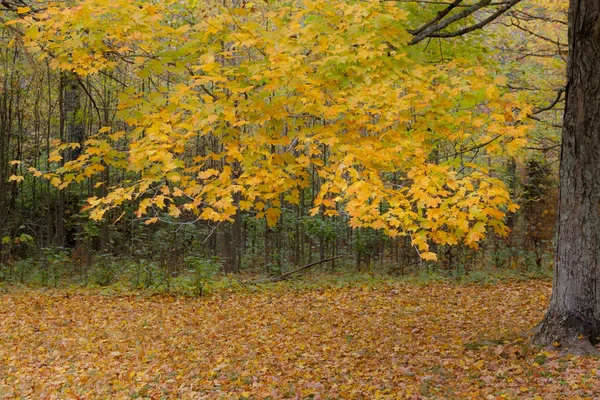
439 23
559 94
434 27
437 18
478 25
290 273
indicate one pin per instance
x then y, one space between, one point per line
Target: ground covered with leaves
387 341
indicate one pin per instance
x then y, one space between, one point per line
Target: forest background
158 145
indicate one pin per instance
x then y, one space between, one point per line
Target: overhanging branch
435 28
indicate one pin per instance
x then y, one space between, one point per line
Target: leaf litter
390 341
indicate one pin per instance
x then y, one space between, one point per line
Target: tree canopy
232 106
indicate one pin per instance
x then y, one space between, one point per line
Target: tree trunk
572 321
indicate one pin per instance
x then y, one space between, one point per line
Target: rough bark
572 322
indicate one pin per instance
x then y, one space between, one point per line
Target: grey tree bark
572 322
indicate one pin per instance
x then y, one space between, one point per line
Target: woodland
242 137
299 199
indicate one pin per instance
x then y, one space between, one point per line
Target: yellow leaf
174 211
272 215
160 201
491 92
207 174
117 135
16 178
429 256
245 205
97 214
378 224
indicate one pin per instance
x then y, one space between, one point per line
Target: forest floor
382 341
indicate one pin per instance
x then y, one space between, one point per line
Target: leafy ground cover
388 341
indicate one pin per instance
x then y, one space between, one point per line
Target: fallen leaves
394 341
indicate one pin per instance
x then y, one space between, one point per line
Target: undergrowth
199 277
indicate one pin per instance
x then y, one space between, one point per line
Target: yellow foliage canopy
241 107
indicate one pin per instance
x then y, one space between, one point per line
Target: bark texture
572 322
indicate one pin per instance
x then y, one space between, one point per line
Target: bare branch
441 23
437 18
435 27
478 25
559 94
545 122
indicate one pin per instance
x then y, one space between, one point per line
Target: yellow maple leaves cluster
245 106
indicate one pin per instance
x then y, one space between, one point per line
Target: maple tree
444 147
329 86
241 107
315 116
